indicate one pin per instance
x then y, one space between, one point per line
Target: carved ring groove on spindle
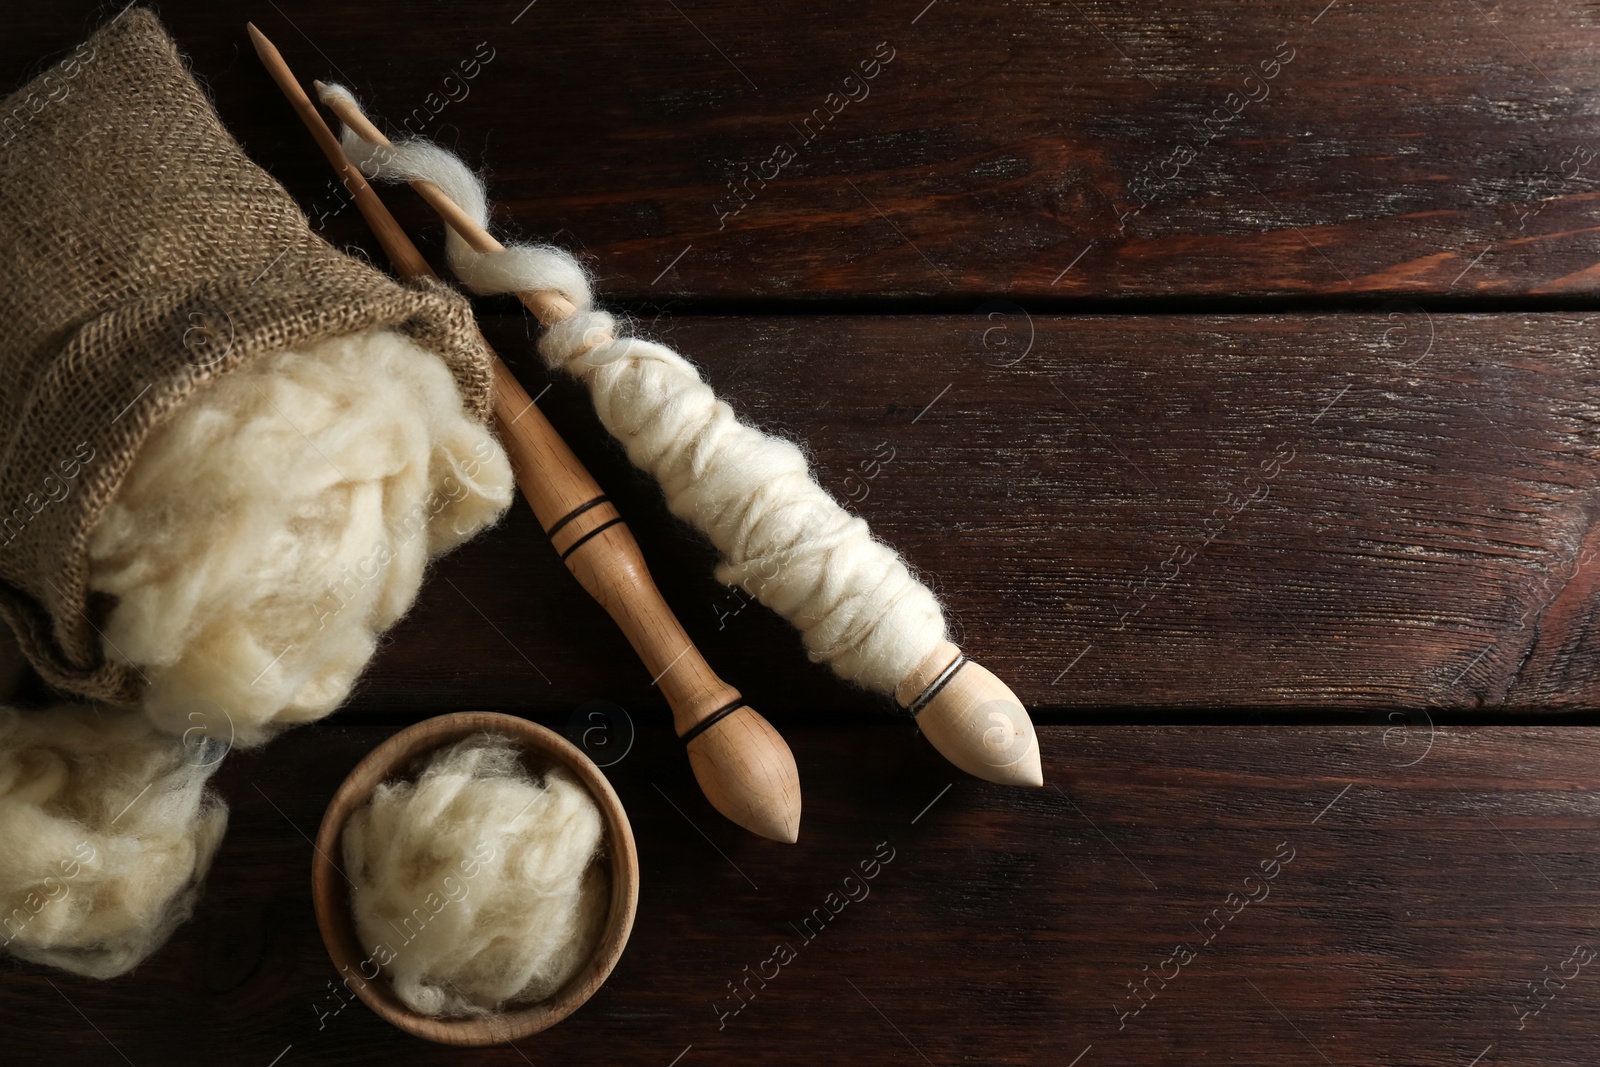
575 512
582 524
586 538
939 682
711 720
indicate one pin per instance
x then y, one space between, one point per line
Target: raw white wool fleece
280 521
106 831
476 886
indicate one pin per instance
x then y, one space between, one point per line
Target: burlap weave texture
141 255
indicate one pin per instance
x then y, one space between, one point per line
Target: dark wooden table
1327 340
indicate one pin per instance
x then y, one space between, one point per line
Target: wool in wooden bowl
475 886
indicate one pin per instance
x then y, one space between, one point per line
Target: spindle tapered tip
973 718
747 772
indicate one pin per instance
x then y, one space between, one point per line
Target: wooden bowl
329 890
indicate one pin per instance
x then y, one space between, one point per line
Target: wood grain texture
1077 489
1434 874
1427 541
1408 147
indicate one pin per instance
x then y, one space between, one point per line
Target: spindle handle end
972 718
748 773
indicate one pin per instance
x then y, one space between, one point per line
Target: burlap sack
142 254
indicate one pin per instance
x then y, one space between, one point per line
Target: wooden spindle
972 717
742 764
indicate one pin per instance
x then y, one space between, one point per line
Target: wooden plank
1430 882
1421 535
1037 149
1079 492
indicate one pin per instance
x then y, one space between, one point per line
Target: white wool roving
280 520
782 537
106 831
475 886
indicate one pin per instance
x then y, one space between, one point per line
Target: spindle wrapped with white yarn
782 537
